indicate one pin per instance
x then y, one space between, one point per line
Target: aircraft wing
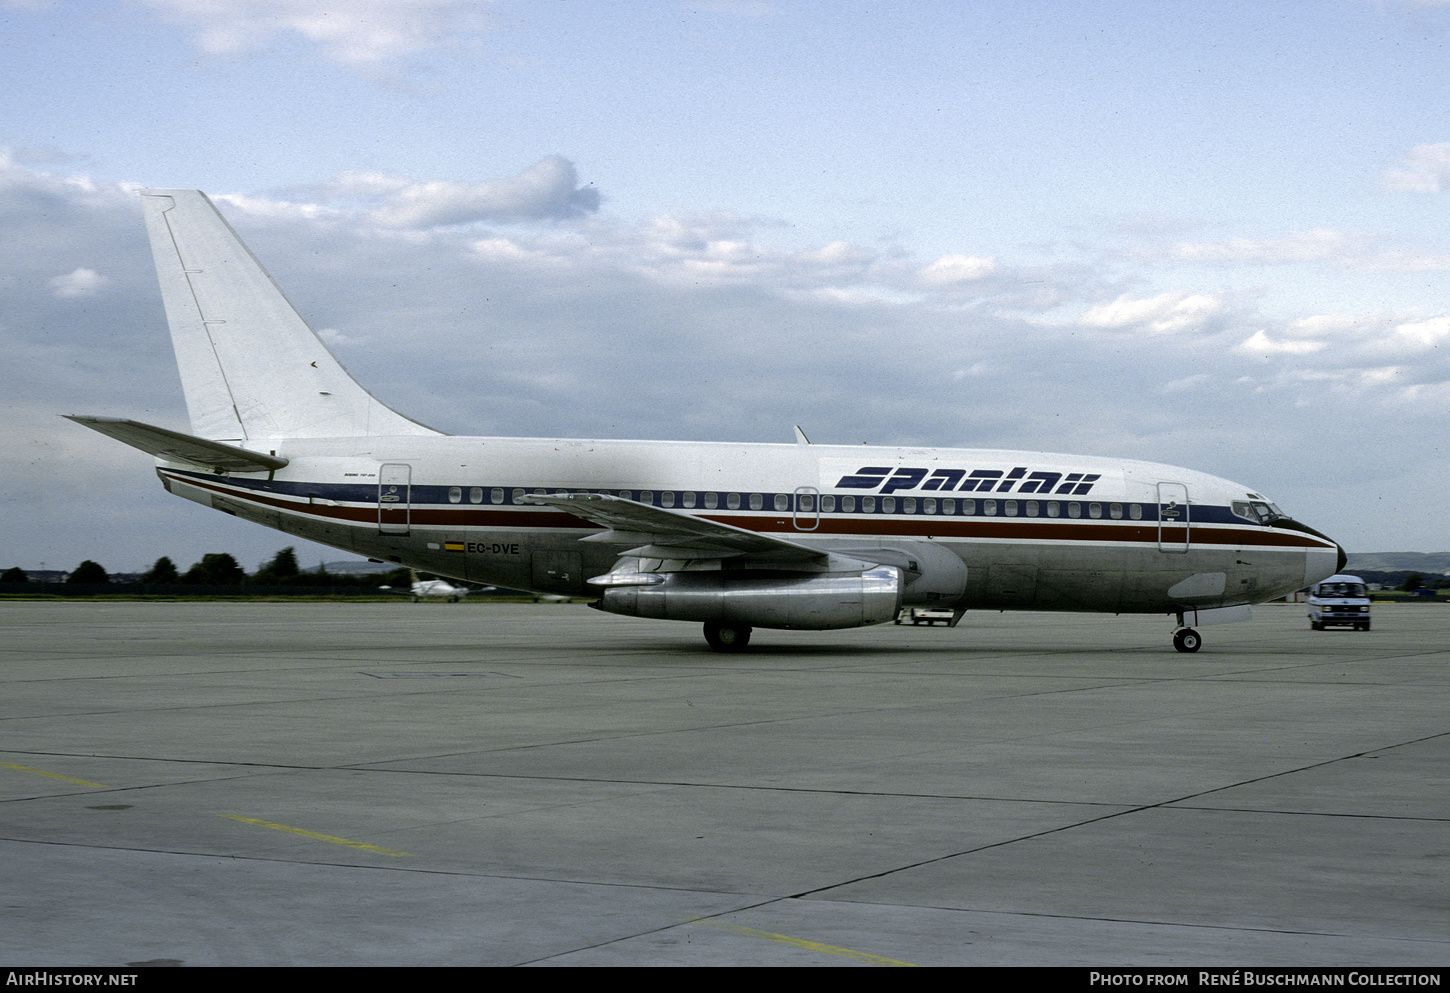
674 534
181 447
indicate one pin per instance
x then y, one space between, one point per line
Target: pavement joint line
1162 804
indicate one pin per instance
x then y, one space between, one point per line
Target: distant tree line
221 569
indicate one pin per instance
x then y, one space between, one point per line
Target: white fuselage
1034 530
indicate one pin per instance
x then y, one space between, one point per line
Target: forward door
1173 523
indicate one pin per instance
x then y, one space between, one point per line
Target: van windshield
1342 589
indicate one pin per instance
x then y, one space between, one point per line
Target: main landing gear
1187 640
727 637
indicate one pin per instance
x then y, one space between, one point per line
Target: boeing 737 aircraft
734 536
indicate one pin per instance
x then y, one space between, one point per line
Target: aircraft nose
1317 560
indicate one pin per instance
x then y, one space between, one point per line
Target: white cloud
950 270
1297 246
1165 313
1426 169
356 33
78 283
1421 335
548 189
1260 344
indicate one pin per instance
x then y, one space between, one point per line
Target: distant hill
1437 562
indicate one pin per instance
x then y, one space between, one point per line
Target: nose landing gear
1187 640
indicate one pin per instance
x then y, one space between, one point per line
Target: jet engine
810 601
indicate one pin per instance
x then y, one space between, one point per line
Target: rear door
395 485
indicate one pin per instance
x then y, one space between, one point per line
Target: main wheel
1187 640
727 637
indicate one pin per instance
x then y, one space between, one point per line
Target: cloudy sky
1210 234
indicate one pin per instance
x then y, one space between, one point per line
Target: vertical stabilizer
250 365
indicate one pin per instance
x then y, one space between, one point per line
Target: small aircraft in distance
734 536
437 589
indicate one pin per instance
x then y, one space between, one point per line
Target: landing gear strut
1187 640
727 637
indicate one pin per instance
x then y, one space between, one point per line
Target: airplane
428 589
732 536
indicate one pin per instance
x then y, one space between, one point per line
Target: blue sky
1208 234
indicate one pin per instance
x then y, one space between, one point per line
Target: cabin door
395 484
1172 517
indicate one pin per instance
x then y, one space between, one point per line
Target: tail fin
250 365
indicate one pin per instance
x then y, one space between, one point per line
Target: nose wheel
1187 640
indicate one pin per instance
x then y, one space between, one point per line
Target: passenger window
689 500
949 507
518 494
732 501
1054 509
475 495
455 494
645 496
756 501
1095 510
969 507
1115 511
928 506
782 502
888 505
1009 507
828 504
1031 508
712 500
667 499
989 508
495 495
1074 510
848 504
868 505
805 502
1135 511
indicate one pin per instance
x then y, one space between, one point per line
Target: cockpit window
1260 511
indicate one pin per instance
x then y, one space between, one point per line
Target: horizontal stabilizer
178 447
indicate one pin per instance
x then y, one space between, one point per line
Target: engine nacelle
813 602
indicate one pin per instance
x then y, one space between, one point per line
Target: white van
1339 600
